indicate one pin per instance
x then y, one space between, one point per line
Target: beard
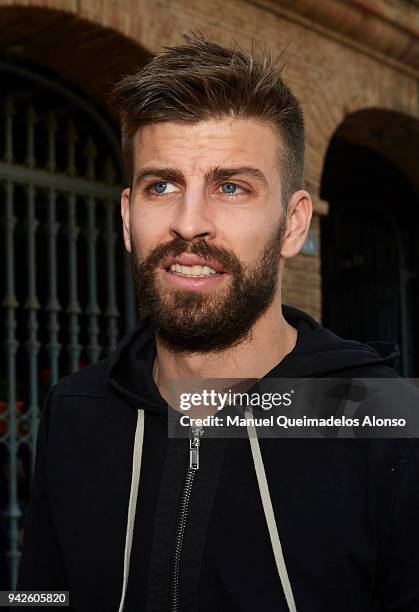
202 322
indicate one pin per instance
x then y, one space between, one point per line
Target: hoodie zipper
195 435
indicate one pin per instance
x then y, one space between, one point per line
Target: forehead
194 147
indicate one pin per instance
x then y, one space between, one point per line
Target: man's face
204 224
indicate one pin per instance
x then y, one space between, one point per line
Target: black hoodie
346 510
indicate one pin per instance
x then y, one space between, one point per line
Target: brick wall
335 67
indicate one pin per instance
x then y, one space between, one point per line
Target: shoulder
90 381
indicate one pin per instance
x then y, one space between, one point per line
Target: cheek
253 249
248 241
147 233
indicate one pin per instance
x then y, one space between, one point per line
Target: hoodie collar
318 352
321 352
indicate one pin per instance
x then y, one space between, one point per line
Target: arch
360 98
77 50
370 256
391 134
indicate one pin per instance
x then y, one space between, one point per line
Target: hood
321 352
318 353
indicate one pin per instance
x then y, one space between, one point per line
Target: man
126 517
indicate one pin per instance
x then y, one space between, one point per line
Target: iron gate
65 279
367 280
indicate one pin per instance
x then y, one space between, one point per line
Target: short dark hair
201 79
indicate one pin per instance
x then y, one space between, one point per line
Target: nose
193 217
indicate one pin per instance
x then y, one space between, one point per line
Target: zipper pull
194 442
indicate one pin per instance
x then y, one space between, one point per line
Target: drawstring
135 480
264 493
268 510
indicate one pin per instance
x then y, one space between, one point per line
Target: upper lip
189 259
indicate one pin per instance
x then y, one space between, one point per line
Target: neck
270 340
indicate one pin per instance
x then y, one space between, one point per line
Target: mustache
200 247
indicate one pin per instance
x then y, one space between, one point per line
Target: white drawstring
135 480
264 493
268 510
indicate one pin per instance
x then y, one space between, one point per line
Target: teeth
192 270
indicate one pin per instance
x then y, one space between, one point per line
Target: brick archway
370 258
391 134
79 51
376 107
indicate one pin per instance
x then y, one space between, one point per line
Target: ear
125 200
299 212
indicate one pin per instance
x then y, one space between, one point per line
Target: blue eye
233 190
160 187
229 187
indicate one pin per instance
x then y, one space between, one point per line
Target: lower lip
193 283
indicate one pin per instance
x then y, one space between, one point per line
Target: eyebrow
215 174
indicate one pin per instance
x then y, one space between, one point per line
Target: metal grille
365 284
67 295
